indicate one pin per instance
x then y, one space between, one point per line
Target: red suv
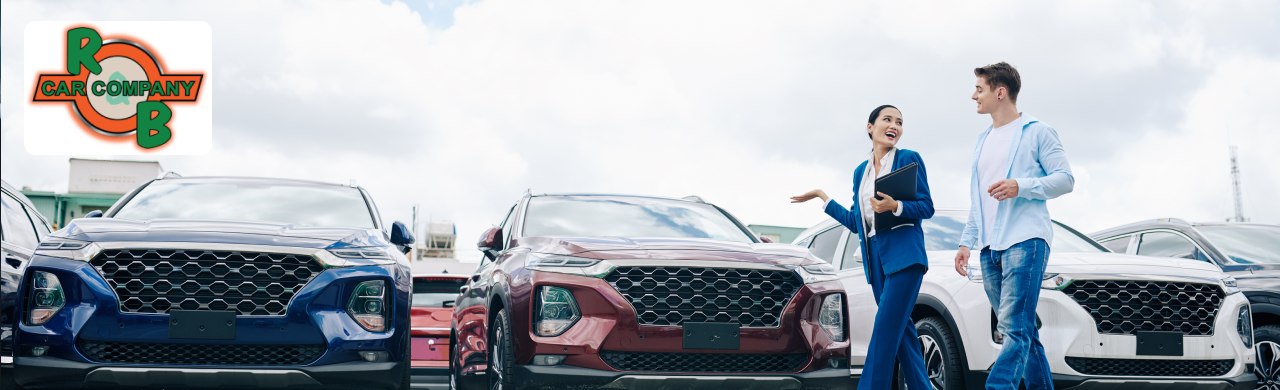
642 292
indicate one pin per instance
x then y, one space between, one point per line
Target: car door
18 239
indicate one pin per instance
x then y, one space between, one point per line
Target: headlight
355 257
821 272
1244 326
368 305
831 317
68 249
555 311
1055 282
1230 285
46 297
572 265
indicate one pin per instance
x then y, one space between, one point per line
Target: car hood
618 248
219 231
1264 277
1109 263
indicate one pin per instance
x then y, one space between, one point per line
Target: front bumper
315 317
568 377
49 372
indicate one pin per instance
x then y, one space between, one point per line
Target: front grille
1127 306
201 354
703 362
670 296
250 283
1150 367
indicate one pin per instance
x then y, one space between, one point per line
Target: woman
895 260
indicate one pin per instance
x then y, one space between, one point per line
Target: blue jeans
1012 279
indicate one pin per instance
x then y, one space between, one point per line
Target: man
1018 165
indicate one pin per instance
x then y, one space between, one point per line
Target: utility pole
1235 186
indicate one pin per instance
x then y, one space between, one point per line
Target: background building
437 241
779 234
92 185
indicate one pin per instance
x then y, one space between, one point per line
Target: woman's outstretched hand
810 195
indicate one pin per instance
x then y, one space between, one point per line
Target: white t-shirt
993 166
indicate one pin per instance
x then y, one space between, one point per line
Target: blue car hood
219 231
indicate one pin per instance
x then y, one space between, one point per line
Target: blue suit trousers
894 337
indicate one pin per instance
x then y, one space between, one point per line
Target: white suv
1106 320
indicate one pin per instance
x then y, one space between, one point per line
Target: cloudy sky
460 106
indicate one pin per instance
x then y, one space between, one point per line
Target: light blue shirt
1039 164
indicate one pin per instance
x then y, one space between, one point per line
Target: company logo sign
115 87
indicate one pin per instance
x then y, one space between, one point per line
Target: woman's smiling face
887 128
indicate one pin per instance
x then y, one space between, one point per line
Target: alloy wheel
934 364
1267 366
495 362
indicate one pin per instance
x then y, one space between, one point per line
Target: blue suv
216 282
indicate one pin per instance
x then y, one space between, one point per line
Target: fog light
838 363
39 350
548 360
374 356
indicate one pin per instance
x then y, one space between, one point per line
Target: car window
628 216
284 202
508 226
1252 244
1118 245
852 252
41 228
435 291
1166 244
824 245
17 226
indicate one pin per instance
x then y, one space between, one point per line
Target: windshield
250 200
435 292
1246 244
617 216
942 233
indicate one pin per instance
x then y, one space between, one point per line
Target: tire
941 356
405 379
1267 364
501 353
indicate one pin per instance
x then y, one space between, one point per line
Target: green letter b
147 124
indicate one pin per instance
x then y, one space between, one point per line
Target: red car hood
670 249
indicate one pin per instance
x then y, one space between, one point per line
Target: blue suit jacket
901 246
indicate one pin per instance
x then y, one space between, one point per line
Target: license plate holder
1159 343
202 325
710 335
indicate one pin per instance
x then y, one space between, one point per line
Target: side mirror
400 234
94 214
766 239
490 242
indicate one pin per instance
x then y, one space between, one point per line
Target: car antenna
694 198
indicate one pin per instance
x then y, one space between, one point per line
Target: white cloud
744 104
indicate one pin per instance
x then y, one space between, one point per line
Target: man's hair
1001 74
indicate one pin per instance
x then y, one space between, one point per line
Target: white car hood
1105 263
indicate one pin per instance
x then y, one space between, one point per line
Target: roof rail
1173 220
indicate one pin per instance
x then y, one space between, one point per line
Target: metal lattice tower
1235 186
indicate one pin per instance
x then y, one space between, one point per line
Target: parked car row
250 282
